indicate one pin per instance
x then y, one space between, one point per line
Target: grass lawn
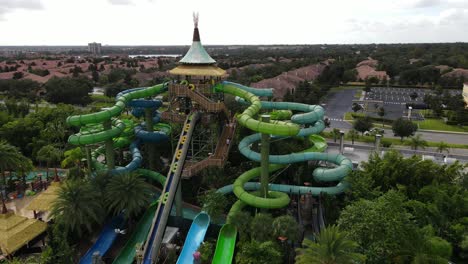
390 141
358 94
438 124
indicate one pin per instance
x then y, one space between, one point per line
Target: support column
88 159
377 143
265 152
341 142
109 147
151 146
178 200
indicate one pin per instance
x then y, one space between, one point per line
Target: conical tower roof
197 53
197 62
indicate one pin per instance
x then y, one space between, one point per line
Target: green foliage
417 142
12 159
362 124
68 90
214 204
255 252
242 220
402 195
261 227
58 249
380 227
286 226
206 250
78 207
129 193
19 89
332 247
403 128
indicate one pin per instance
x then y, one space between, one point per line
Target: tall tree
382 228
403 128
51 155
332 247
362 124
353 134
78 207
128 193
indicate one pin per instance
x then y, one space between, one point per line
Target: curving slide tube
104 126
194 238
308 123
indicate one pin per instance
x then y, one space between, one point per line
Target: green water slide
305 125
96 130
225 244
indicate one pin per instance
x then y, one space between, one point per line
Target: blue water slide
105 240
194 238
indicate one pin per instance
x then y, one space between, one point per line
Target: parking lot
400 95
395 99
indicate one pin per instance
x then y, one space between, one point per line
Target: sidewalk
459 154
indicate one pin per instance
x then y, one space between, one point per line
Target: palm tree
11 158
128 193
442 146
77 205
51 155
332 247
73 158
353 134
417 141
335 132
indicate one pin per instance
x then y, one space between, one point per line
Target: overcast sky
169 22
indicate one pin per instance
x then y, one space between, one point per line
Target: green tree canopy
403 128
332 247
362 124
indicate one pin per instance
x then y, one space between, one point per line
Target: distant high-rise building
94 48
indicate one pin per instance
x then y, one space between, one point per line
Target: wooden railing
173 117
198 97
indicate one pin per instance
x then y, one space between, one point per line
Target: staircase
218 158
203 101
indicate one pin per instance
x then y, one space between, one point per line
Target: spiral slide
306 124
103 126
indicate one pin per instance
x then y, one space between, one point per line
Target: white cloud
7 6
121 2
155 22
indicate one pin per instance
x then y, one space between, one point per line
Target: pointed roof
197 53
16 231
197 62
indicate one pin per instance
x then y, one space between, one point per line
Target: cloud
121 2
7 6
426 3
445 26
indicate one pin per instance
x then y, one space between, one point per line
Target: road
429 136
337 104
